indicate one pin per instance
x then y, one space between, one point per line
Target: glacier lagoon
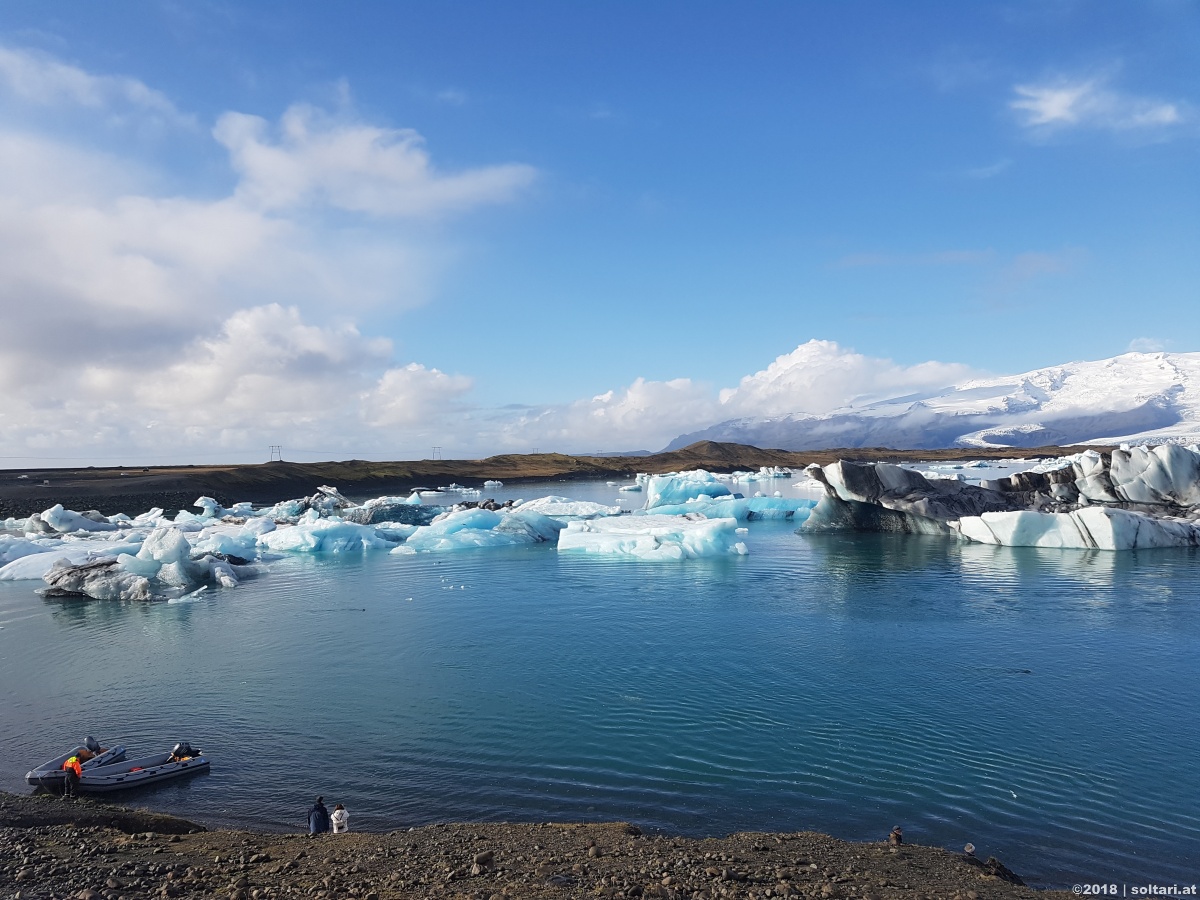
1038 703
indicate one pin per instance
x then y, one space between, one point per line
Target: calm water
1041 704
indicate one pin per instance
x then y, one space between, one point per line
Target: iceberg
566 508
1133 498
34 566
741 508
471 527
316 535
653 537
678 487
65 521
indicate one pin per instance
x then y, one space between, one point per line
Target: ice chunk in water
566 508
655 537
677 487
462 529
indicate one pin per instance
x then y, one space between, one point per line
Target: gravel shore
89 850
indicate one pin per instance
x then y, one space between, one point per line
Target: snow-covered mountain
1135 398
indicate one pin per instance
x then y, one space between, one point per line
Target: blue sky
366 229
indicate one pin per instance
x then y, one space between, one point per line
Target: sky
400 230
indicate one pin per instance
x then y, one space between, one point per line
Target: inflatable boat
131 773
50 774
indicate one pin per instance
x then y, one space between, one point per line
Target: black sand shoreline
135 490
88 850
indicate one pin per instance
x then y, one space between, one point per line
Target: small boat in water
52 775
131 773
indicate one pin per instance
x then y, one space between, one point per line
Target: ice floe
679 487
473 527
653 537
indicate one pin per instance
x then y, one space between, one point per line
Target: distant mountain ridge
1135 398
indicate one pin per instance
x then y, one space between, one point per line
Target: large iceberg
655 537
678 487
470 527
1133 498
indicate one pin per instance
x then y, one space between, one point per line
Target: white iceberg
677 487
461 529
316 535
566 508
655 537
1088 528
65 521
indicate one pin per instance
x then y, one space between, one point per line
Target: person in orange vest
72 772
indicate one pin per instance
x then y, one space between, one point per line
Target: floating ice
65 521
1092 527
678 487
316 535
566 508
653 537
461 529
34 566
741 508
1138 497
493 484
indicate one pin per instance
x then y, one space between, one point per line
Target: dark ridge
133 490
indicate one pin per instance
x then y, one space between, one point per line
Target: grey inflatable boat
131 773
50 774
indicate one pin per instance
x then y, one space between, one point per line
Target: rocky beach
90 850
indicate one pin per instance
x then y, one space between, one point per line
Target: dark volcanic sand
135 490
88 850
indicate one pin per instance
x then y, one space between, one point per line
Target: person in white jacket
340 820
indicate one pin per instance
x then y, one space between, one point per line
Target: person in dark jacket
318 818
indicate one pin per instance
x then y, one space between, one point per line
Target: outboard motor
182 749
92 744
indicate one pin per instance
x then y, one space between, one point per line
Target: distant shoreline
137 489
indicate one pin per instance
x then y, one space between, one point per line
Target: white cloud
643 415
1090 103
41 80
353 166
413 395
138 322
820 376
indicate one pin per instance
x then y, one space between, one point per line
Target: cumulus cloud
313 157
413 395
136 319
1091 103
161 327
817 377
821 376
643 415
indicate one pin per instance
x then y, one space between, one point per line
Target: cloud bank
149 326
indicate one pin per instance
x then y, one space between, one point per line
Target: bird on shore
896 837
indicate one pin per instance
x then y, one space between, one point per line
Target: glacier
1134 498
1143 398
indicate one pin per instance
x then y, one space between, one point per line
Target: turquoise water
1040 704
